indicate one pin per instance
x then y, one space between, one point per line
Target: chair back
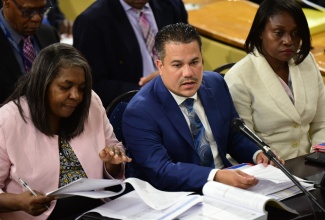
115 112
223 68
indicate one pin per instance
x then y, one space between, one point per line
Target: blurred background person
22 36
117 37
57 19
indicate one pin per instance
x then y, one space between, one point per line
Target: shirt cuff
255 155
120 175
212 174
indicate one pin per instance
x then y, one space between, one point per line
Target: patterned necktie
198 133
148 35
29 53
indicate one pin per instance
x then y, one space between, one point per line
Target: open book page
213 209
272 180
130 206
291 191
93 188
241 197
85 187
153 197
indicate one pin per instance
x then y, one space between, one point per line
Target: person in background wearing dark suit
170 149
109 35
21 21
56 18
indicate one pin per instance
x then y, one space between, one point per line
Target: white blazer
261 101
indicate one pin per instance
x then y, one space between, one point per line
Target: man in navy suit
108 34
19 19
157 132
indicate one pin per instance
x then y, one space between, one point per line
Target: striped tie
29 53
198 133
148 35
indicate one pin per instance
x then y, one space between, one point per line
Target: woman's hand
261 158
35 205
113 157
26 201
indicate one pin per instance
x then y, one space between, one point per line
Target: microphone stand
272 157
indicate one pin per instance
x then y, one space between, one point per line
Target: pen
29 189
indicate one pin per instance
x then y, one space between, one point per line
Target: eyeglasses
29 13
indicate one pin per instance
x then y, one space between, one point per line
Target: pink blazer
28 154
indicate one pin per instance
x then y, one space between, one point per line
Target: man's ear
159 65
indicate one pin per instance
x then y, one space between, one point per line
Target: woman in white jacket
277 88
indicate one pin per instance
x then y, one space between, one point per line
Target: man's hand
146 79
235 178
66 28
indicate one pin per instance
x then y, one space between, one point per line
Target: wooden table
225 21
200 2
318 42
229 22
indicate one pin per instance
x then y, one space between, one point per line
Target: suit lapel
299 90
213 113
7 54
275 89
125 29
39 40
172 110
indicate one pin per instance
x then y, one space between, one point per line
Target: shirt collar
127 7
181 99
15 36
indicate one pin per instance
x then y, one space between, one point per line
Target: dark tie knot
188 103
26 39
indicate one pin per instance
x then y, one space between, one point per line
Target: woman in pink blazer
54 130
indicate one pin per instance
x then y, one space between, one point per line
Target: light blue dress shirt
133 15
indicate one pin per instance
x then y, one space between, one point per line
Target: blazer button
295 125
294 144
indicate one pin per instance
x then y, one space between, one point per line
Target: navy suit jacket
9 68
159 141
105 36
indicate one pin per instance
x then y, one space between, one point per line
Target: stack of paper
274 183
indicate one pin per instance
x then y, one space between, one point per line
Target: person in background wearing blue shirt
109 34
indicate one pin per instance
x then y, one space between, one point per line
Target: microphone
239 126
